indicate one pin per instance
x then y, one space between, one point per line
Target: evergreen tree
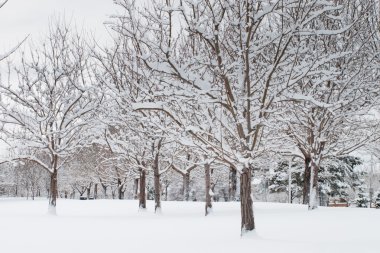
279 179
377 200
336 179
362 199
339 176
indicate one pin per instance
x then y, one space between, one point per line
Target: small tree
51 108
279 179
362 199
338 176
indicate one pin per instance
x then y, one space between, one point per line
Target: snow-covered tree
279 179
377 201
330 112
138 138
338 176
51 107
362 199
81 171
223 66
184 164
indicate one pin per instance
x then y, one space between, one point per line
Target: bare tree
184 168
330 114
51 107
137 138
219 68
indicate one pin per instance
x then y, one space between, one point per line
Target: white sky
18 18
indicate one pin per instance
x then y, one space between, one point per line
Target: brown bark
247 218
157 192
306 181
232 185
156 174
53 191
208 189
136 188
142 195
120 192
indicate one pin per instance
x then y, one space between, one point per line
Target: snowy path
104 226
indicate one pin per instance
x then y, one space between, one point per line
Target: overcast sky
18 18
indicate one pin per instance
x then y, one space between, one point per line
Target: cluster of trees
340 179
223 87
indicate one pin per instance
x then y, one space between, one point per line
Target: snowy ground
103 226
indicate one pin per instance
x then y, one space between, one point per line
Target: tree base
208 211
142 209
52 210
246 207
247 234
312 208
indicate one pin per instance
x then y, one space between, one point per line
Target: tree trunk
120 193
313 196
208 206
53 192
186 186
95 191
81 191
166 191
72 194
136 189
247 219
232 185
33 191
142 195
88 189
157 192
306 181
104 187
156 175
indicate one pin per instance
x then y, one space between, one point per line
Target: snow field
103 226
